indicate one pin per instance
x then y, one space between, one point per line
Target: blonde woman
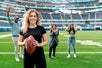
31 26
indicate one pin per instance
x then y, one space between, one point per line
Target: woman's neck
32 25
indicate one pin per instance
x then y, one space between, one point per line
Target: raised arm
8 14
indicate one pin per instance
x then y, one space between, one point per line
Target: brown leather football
30 46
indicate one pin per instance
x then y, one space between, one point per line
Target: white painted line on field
12 42
89 42
77 52
83 42
59 52
6 42
88 38
6 35
6 52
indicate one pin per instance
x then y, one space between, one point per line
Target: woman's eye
33 16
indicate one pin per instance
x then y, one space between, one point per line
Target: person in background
16 25
54 32
31 26
71 40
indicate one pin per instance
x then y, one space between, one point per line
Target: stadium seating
47 10
65 16
84 15
56 16
46 16
76 16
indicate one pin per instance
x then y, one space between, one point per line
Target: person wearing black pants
52 48
36 58
31 26
54 32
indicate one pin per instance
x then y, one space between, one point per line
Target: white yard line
59 52
6 42
12 42
77 52
6 35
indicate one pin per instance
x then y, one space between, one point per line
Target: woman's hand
8 9
37 44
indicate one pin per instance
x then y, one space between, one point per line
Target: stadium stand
46 16
65 16
47 9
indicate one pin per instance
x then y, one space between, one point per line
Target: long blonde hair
26 22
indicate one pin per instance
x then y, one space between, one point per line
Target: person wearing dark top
54 32
31 26
71 40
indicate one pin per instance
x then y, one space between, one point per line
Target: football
30 46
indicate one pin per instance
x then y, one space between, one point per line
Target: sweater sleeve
9 20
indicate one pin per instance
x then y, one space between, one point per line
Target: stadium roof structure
63 4
64 1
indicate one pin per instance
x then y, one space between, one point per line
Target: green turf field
88 56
